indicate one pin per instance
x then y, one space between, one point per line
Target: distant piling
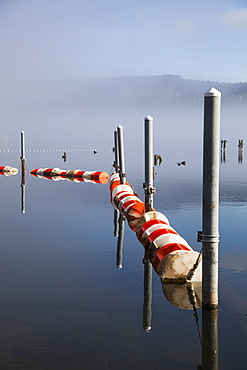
23 146
23 172
122 173
241 143
210 219
23 157
240 151
116 151
149 163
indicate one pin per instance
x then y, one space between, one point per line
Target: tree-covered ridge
164 89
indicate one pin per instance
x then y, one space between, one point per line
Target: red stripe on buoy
131 203
147 225
134 213
100 177
48 172
164 251
79 175
34 172
157 233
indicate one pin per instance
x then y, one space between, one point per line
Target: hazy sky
70 39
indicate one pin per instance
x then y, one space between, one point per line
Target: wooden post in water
122 173
149 166
210 232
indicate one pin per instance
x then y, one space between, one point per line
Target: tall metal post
23 172
210 231
116 150
23 147
149 166
122 173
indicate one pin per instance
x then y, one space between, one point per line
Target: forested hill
158 90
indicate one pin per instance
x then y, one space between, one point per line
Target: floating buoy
72 175
124 200
48 173
160 240
8 171
171 256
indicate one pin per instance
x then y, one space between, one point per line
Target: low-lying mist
84 114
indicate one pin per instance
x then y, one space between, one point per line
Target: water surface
65 304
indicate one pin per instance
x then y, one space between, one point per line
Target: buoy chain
193 269
192 299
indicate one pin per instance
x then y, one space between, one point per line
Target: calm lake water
66 305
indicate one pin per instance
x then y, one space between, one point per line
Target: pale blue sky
70 39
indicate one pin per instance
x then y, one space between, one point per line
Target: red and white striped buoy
8 170
100 177
72 175
48 173
170 254
123 199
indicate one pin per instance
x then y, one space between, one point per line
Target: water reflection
119 232
223 151
23 186
210 346
240 151
223 157
240 156
183 296
147 303
8 170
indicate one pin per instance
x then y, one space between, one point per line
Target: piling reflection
147 303
23 186
223 151
210 347
223 157
119 256
240 155
116 216
240 151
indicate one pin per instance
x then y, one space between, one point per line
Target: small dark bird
64 156
181 163
95 151
157 159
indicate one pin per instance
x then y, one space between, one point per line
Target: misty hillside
158 90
